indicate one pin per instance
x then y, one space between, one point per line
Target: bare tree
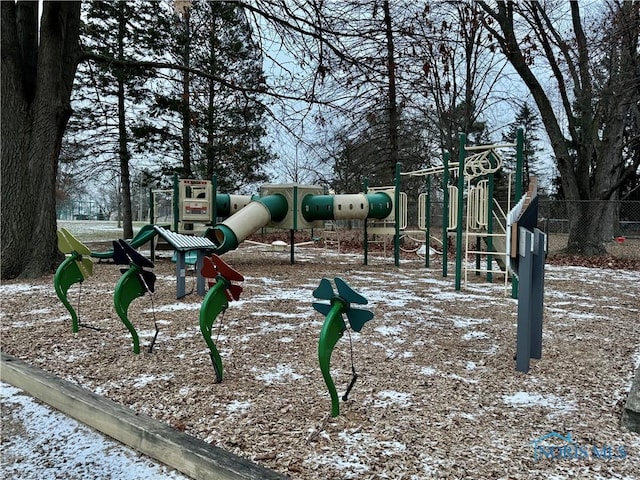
597 78
457 75
348 50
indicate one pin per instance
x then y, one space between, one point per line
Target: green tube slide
256 215
226 205
274 208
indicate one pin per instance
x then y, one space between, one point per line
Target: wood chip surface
437 394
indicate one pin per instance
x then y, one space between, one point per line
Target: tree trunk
37 77
123 147
393 104
211 130
186 99
590 226
211 137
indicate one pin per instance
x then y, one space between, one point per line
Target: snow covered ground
40 443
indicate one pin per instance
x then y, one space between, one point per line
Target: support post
537 292
461 158
292 239
525 268
152 220
200 283
518 190
176 202
478 256
181 272
490 206
396 200
214 200
365 189
427 223
296 209
445 213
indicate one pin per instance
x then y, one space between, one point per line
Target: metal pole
461 157
427 223
176 202
152 220
518 189
445 212
490 194
214 199
365 188
396 200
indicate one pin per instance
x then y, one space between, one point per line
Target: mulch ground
437 395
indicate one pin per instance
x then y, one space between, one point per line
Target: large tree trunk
37 77
590 226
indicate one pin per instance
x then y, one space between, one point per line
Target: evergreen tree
531 164
109 99
214 127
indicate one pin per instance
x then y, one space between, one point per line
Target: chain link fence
80 210
554 217
92 210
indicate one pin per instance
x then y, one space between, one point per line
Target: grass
96 231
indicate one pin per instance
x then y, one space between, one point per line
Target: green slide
146 234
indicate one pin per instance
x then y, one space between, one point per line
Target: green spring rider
334 327
221 292
76 267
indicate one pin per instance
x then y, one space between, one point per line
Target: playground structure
194 206
295 207
470 212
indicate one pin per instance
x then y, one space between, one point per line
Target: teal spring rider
334 327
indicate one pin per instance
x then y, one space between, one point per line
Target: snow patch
388 398
278 374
